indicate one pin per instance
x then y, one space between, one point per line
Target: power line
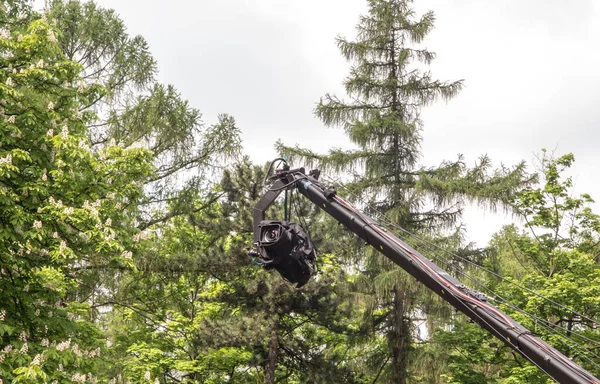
449 263
552 328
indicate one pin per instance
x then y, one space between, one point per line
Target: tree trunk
272 359
400 336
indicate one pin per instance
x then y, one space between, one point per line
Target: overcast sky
531 69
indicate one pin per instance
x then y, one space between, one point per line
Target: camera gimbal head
282 245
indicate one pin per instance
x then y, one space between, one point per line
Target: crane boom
297 266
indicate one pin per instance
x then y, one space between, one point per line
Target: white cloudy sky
531 69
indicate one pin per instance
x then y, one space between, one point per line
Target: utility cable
545 324
454 267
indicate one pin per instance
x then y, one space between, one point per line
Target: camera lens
271 235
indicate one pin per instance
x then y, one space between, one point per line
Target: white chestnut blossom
38 359
64 132
6 159
63 345
76 350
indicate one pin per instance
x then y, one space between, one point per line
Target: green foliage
555 259
64 210
559 221
199 310
15 14
97 39
75 208
139 112
479 358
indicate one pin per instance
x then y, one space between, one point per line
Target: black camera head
286 247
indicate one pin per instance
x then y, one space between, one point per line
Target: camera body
286 247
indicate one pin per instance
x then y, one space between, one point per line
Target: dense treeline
125 223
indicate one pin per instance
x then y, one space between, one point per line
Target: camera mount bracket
288 248
284 179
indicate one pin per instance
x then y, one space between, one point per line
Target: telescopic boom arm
472 303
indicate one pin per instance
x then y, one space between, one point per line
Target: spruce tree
388 87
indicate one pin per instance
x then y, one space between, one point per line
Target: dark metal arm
263 204
469 302
284 180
